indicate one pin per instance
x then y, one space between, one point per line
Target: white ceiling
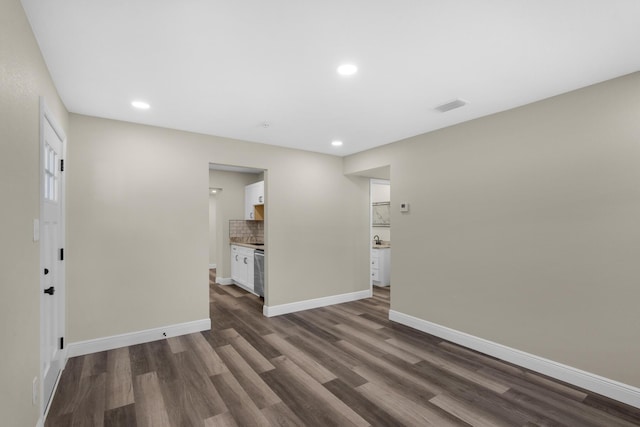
225 67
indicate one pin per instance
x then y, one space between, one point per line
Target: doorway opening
380 232
237 229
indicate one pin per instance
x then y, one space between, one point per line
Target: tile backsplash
246 231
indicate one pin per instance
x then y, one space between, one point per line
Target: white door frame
60 288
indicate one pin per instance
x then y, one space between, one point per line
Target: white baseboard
63 362
587 380
224 281
277 310
212 266
116 341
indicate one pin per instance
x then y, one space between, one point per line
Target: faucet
377 239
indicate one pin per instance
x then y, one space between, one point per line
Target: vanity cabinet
254 201
242 266
381 266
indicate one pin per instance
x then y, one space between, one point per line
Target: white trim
212 266
64 357
277 310
116 341
224 281
42 420
587 380
52 120
63 364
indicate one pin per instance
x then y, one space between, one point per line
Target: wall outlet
34 391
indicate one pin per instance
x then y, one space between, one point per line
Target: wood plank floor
336 366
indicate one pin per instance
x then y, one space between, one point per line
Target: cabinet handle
245 260
236 257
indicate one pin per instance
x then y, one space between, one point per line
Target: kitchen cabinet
381 266
242 266
256 192
254 201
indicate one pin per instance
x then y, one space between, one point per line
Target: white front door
51 255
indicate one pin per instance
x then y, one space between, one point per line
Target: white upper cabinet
257 193
254 201
248 205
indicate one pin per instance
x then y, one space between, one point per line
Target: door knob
50 290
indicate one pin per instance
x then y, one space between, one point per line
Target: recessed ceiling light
141 105
347 69
336 143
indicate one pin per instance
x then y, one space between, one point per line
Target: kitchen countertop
248 245
254 246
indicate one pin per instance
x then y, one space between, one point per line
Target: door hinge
61 254
61 165
61 343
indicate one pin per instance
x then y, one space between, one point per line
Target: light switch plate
404 207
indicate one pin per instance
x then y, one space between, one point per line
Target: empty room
320 213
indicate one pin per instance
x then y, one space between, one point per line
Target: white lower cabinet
242 266
381 266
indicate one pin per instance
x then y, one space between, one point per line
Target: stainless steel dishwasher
258 272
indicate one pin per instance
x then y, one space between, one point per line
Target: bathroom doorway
380 232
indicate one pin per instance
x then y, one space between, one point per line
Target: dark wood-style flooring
335 366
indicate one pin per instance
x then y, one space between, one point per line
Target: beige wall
230 206
23 78
138 225
524 227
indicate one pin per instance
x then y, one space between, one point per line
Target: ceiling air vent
456 103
